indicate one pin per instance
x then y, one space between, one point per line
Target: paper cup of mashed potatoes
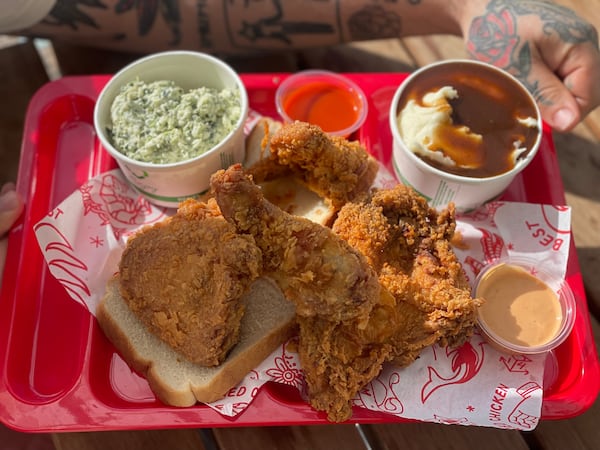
171 120
462 130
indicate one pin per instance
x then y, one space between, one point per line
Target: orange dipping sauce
321 98
518 308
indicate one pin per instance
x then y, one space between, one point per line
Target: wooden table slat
429 49
179 439
21 74
421 436
592 122
317 437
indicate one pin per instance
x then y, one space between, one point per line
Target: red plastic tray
59 372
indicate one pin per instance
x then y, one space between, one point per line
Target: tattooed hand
549 48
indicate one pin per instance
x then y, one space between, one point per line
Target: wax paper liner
82 240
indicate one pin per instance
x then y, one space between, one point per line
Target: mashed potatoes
425 128
428 130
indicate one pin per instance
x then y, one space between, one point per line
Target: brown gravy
489 104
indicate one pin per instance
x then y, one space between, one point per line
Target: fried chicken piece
278 182
408 244
349 325
259 162
340 358
345 317
425 298
331 166
320 272
184 278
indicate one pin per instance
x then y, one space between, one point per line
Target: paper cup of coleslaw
157 118
462 131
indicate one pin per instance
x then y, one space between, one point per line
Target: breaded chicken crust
408 243
333 167
317 270
184 278
395 289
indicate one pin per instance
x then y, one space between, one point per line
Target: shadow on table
579 161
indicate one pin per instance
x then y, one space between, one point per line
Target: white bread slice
258 141
268 322
295 198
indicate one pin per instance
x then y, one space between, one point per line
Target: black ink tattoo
556 18
493 37
374 22
204 29
67 13
148 10
278 29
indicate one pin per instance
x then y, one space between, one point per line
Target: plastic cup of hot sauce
526 309
329 100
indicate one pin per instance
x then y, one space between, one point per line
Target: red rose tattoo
493 38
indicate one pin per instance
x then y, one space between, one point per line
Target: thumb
558 105
566 87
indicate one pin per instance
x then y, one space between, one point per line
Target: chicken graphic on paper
520 415
492 245
379 396
117 205
465 363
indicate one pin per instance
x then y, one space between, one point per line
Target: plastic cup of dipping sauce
526 310
333 102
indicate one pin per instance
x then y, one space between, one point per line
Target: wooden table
22 73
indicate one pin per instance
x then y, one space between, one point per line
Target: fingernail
563 119
9 200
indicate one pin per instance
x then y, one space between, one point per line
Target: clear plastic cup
327 99
512 283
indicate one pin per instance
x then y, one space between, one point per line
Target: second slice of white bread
268 322
283 190
294 198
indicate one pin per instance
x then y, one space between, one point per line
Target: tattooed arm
242 25
551 49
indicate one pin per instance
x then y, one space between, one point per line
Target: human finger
579 74
564 84
11 206
549 48
3 245
557 104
